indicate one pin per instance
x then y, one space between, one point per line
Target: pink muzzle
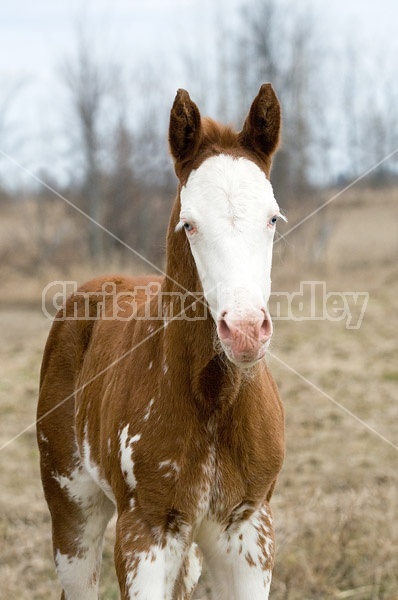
245 336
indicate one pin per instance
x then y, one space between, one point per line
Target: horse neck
192 341
181 272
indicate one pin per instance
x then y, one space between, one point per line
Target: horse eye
188 227
273 220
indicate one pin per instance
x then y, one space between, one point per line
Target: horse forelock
217 138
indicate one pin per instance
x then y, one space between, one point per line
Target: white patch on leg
152 574
94 470
79 571
126 460
240 558
80 486
145 578
78 576
194 569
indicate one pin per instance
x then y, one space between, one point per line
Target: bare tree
90 82
10 93
369 101
125 210
279 47
12 134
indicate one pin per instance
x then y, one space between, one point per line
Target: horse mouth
245 360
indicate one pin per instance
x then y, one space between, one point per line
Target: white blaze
229 201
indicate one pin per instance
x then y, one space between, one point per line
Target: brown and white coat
184 435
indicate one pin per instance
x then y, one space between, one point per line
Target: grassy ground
335 506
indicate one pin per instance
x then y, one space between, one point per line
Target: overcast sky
35 36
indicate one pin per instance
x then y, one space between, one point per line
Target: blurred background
85 95
87 89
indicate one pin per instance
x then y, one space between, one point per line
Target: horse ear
261 130
184 128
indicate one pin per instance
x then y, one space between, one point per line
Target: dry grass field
336 504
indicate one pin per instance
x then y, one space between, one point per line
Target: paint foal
184 435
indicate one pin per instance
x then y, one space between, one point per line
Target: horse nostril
266 326
223 327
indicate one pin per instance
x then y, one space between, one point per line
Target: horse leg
189 574
240 558
80 512
149 561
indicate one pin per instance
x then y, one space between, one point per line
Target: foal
167 412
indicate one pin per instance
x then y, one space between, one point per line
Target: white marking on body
165 368
83 483
150 365
94 470
43 438
149 408
173 469
126 460
207 484
77 484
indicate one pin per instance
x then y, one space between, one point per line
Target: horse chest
151 459
196 484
